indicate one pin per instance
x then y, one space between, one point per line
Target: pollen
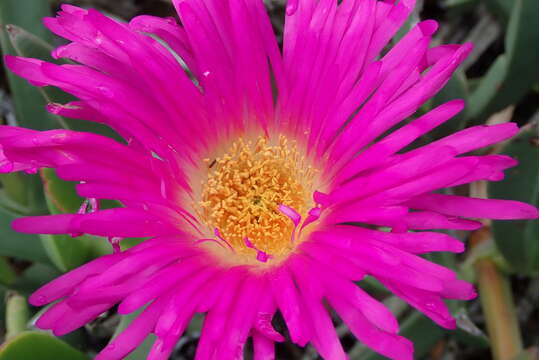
246 186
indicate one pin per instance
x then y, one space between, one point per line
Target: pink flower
243 164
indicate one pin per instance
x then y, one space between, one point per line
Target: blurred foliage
502 71
27 344
518 241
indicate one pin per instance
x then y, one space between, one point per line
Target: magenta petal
323 338
135 333
427 220
478 208
264 348
388 344
65 284
287 298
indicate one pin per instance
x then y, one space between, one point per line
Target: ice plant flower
265 180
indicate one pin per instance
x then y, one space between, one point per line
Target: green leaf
518 241
19 245
22 194
61 195
34 277
514 73
65 251
28 45
30 344
481 98
29 103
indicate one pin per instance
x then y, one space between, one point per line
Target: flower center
245 190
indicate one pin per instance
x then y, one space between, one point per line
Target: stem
497 304
495 293
17 314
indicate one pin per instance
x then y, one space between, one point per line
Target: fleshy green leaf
61 195
34 277
19 245
28 45
22 194
65 251
32 345
29 102
488 87
518 241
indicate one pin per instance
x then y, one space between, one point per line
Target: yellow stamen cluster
245 187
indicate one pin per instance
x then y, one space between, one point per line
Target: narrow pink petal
181 307
371 215
400 138
76 318
158 284
489 167
348 143
459 289
422 29
264 316
53 224
387 344
401 170
438 178
242 316
52 315
389 24
382 261
478 137
287 298
472 207
216 318
431 304
334 260
264 348
413 242
135 333
168 30
374 311
428 220
324 337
